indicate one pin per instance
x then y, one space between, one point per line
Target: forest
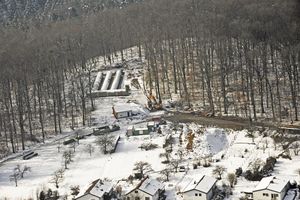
231 57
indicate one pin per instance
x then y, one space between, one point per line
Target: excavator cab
152 103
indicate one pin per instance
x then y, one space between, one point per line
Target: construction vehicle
135 83
105 129
152 103
190 138
114 112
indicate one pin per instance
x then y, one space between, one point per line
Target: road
224 122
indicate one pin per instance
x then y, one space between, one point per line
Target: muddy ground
223 122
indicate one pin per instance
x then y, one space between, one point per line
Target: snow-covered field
228 148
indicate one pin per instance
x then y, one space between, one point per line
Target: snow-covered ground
84 168
228 148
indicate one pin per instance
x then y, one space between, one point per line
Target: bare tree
180 153
67 158
166 173
130 179
264 147
57 177
22 170
104 142
75 190
256 166
18 173
89 148
265 144
165 155
15 176
231 177
73 146
295 146
58 147
219 171
175 164
142 167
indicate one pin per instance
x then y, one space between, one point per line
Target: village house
137 130
152 126
147 189
97 190
121 112
141 129
271 188
202 188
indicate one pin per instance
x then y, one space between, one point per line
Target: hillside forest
226 57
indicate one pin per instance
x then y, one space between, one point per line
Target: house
97 190
130 131
271 188
153 126
137 130
121 112
141 129
147 189
202 188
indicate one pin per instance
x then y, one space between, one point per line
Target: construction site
110 83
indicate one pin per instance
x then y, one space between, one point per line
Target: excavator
152 103
114 112
190 138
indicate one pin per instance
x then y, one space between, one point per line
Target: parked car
105 129
101 130
70 141
181 169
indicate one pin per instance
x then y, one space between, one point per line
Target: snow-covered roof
124 108
130 127
202 184
141 128
97 188
271 183
151 123
97 81
116 80
149 186
106 80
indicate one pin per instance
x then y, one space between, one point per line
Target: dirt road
224 122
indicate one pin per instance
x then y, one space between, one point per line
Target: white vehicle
182 169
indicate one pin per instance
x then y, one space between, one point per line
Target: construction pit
110 83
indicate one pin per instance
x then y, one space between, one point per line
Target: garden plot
117 166
84 169
229 149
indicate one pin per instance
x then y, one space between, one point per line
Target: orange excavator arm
114 112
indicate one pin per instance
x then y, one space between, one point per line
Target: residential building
121 112
202 188
271 188
97 190
147 189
